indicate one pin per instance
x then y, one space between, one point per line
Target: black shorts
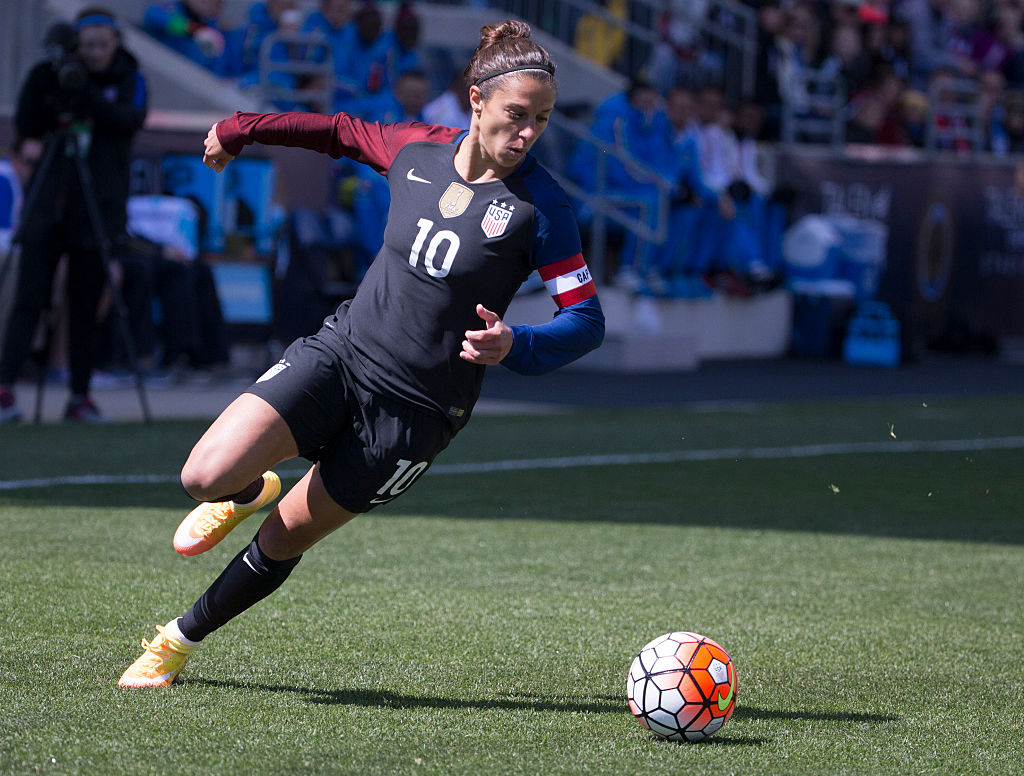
370 448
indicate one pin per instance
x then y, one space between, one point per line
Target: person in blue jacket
362 66
635 122
193 29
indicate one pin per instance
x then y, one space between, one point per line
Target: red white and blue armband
577 328
568 281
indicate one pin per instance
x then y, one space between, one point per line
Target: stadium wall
955 252
644 334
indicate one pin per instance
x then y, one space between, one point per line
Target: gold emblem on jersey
455 200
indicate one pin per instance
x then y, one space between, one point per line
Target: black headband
549 69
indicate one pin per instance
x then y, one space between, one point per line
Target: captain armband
568 281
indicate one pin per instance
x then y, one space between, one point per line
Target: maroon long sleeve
339 135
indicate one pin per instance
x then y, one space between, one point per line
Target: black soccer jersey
448 246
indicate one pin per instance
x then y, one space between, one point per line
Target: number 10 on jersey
404 476
433 247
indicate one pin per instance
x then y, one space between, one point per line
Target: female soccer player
394 373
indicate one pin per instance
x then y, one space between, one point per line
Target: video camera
61 46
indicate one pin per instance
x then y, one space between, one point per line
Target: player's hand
489 345
214 155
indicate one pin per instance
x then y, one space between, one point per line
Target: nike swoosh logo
723 700
186 538
381 500
414 177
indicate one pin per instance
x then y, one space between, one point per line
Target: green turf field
484 622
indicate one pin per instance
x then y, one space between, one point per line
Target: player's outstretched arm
339 135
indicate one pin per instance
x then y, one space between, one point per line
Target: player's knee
201 482
193 486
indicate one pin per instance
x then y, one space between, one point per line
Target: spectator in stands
930 25
770 23
372 197
451 108
893 50
408 98
366 58
839 13
748 123
364 64
728 250
635 123
992 111
681 111
974 46
874 112
678 51
1008 26
846 59
1013 103
193 29
15 172
715 148
331 20
761 208
796 46
299 91
264 19
1001 37
334 22
403 54
911 127
694 206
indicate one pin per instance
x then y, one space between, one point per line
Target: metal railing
819 115
607 207
954 116
954 121
304 77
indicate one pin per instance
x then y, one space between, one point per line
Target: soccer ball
682 686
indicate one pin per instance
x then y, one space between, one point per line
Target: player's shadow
719 739
753 712
388 699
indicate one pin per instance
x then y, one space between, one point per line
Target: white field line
619 459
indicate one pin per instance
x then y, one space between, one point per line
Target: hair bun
509 29
506 47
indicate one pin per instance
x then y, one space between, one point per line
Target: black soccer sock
246 495
247 579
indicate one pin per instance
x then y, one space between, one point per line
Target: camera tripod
66 141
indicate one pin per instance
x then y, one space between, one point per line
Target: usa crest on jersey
496 218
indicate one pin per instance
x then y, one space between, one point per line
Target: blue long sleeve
574 332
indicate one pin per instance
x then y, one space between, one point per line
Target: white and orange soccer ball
682 686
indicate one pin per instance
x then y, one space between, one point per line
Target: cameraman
91 95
